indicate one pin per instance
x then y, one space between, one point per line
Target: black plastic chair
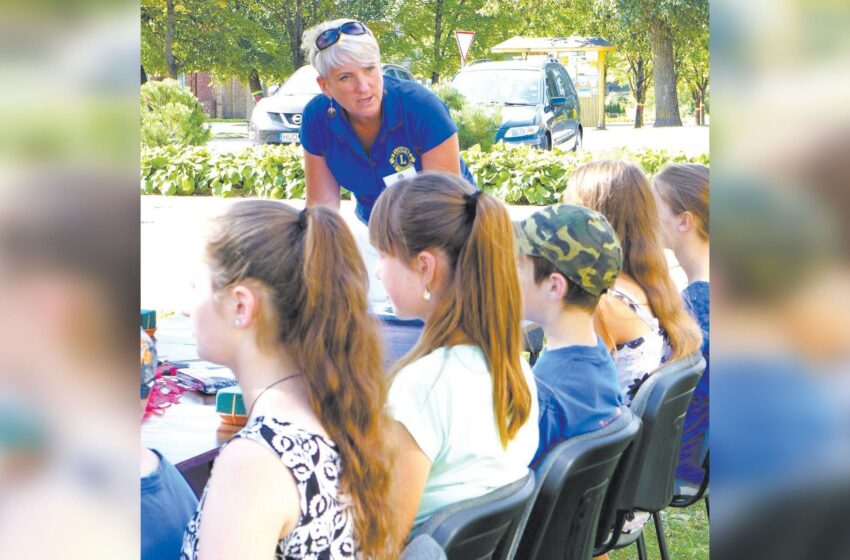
560 520
647 484
479 528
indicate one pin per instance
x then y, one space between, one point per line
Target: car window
405 75
571 90
555 83
390 72
499 85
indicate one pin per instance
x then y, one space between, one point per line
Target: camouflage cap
578 241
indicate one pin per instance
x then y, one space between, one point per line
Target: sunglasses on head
329 37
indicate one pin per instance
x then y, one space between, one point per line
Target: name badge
408 173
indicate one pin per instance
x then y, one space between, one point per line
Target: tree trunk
639 91
255 85
664 72
438 34
144 76
169 39
695 100
702 94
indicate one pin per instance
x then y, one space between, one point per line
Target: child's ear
244 305
557 287
686 221
426 265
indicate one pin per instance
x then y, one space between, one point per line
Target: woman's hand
444 157
322 188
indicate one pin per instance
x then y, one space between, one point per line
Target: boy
568 257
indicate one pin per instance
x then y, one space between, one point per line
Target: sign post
464 41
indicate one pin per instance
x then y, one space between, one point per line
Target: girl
682 194
281 300
464 403
641 318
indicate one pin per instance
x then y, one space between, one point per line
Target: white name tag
408 173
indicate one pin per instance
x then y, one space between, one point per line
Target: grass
686 530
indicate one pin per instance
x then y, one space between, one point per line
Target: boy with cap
568 257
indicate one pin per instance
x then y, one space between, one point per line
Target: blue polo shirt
414 121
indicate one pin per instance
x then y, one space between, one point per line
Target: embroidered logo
402 158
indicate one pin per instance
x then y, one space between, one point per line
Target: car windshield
500 85
303 81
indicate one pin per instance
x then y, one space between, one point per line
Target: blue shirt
578 392
168 504
696 298
414 121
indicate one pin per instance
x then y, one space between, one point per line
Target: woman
463 401
682 193
367 131
643 313
281 300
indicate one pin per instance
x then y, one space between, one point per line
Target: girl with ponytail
281 300
463 400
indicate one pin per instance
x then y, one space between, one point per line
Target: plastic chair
479 528
661 404
572 481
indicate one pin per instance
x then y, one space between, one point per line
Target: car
276 119
538 100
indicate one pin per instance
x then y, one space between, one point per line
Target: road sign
464 41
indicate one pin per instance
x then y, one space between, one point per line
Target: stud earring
426 295
237 323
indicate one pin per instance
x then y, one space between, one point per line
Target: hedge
513 173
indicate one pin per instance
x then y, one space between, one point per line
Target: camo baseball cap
578 241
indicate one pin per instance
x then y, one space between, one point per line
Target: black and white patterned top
326 528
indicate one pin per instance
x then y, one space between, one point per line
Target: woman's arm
322 188
411 471
443 157
252 501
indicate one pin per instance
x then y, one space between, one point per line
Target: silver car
277 119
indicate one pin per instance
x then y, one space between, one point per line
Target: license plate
289 137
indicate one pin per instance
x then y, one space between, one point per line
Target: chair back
477 529
646 475
560 520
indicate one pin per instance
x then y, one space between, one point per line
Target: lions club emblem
402 158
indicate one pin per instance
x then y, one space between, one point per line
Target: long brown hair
620 191
684 188
316 283
482 298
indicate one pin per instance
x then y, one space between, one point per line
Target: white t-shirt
445 400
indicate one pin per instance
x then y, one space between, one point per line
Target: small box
205 380
148 319
230 406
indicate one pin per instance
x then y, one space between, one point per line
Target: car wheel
578 145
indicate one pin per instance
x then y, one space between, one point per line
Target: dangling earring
426 295
331 110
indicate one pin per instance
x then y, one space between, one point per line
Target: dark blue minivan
539 102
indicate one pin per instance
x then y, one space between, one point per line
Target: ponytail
482 300
310 264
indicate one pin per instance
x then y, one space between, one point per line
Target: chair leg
707 512
659 531
641 546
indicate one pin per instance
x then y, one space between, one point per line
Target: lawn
686 530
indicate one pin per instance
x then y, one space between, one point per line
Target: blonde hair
360 50
482 299
620 191
684 188
314 299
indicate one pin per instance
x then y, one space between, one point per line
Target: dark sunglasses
329 37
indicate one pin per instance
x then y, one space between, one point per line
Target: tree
692 60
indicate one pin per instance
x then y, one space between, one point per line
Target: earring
237 323
426 295
331 111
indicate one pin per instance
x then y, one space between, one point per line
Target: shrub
171 115
516 174
477 125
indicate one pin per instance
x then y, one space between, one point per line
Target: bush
477 125
171 115
516 174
